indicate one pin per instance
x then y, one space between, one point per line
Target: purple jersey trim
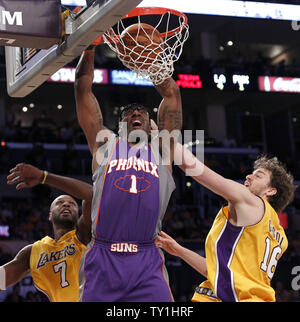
225 247
43 295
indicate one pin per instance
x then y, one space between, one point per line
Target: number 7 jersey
54 267
241 261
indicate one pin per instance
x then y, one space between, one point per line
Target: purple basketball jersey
131 193
129 201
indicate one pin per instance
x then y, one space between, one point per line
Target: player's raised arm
27 176
170 109
235 193
169 116
226 188
88 110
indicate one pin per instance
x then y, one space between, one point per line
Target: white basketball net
159 66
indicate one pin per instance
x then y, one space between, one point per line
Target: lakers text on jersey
54 267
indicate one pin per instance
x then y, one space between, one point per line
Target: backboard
28 68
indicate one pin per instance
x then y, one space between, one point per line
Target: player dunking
246 240
131 193
53 262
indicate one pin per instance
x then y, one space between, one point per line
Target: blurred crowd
26 219
42 129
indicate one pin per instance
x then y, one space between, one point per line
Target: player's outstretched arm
232 191
27 176
16 269
170 111
226 188
167 243
235 193
87 107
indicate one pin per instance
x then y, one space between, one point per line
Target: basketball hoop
174 31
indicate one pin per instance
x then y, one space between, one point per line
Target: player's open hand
25 176
167 243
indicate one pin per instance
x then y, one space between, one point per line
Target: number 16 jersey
241 261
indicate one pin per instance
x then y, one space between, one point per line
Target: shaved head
61 197
64 212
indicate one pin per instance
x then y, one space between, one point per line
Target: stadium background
240 121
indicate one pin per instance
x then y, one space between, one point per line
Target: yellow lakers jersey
241 261
54 267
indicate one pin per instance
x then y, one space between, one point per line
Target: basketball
139 45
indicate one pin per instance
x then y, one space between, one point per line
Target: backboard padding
88 26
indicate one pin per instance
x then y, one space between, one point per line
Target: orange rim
144 11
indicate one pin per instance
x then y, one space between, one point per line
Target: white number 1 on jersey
133 188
